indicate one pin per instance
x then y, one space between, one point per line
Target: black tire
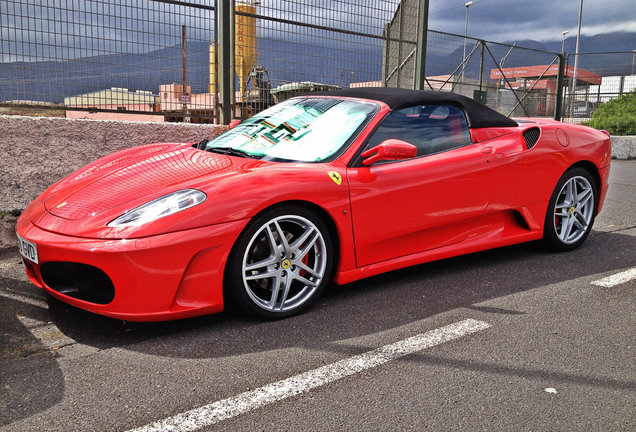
569 219
299 268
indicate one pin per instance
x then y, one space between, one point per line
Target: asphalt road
551 351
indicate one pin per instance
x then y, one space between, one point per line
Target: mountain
615 56
287 60
607 42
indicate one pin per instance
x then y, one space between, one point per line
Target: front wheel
571 211
281 263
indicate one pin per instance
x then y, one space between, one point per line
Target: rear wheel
571 211
281 263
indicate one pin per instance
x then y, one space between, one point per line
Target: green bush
617 116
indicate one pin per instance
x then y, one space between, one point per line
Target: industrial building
120 100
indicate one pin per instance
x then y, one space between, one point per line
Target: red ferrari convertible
335 186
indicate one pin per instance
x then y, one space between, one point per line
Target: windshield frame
336 154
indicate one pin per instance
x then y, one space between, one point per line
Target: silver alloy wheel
284 263
573 210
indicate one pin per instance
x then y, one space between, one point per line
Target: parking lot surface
516 338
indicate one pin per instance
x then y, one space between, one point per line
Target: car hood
82 204
145 173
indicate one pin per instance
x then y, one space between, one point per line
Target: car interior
431 128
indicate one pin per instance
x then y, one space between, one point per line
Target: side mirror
391 149
233 124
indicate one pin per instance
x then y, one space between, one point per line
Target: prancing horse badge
335 177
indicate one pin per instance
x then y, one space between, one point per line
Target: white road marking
616 279
227 408
24 299
551 390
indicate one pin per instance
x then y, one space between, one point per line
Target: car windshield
300 129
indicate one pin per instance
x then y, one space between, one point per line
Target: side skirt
489 239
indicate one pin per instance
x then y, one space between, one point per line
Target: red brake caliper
305 261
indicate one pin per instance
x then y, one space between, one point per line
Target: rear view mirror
391 149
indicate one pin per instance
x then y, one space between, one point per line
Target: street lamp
468 4
633 58
563 41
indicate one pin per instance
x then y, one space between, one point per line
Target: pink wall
113 116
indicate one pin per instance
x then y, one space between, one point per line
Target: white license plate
28 249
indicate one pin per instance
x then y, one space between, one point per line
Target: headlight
164 206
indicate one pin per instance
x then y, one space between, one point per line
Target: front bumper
168 276
604 174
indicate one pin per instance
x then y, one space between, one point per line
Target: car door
436 199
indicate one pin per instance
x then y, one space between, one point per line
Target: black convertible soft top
478 115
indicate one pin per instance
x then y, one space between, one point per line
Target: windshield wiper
232 152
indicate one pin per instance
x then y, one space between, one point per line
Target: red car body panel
389 222
382 217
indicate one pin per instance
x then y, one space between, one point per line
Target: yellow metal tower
244 47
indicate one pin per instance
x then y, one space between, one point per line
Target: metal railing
145 59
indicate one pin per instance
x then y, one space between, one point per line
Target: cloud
542 20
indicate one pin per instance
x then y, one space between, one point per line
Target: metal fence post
385 55
558 110
226 42
400 45
481 66
420 53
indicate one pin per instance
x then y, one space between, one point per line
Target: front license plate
28 249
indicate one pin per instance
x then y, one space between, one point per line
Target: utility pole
576 61
468 4
183 67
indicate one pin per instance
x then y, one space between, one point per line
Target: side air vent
531 136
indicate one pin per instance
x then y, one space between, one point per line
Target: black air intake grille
80 281
531 136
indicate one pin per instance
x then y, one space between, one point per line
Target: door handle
487 150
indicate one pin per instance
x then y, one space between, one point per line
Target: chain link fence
602 78
398 63
158 60
83 57
287 47
511 79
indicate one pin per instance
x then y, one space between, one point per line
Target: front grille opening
80 281
531 136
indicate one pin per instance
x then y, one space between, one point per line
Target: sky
541 20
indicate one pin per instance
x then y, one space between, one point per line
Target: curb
624 147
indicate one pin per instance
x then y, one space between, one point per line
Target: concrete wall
35 152
624 147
